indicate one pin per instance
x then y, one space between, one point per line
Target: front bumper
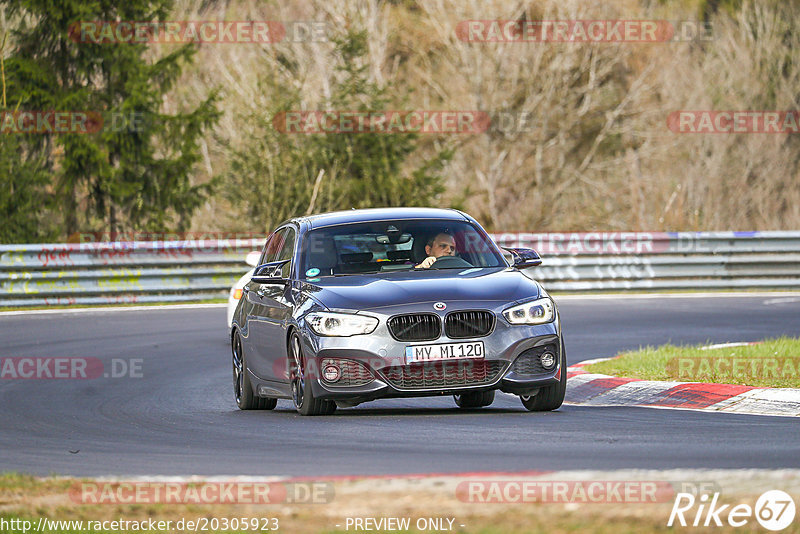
509 364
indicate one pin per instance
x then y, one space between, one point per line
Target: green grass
772 363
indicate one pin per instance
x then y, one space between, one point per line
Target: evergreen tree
25 203
135 172
276 175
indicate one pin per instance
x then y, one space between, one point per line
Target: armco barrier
121 272
175 271
597 261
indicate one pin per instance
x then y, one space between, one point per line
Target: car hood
371 291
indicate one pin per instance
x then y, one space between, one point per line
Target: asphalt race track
179 418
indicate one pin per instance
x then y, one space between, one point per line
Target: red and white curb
592 389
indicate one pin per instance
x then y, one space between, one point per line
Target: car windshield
395 246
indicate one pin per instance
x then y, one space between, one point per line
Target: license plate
444 351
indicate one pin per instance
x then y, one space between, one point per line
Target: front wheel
550 397
302 395
474 400
242 387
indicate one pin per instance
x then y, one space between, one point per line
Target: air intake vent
529 362
415 327
444 374
463 324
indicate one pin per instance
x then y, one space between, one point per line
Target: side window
287 250
272 247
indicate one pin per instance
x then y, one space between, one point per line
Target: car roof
379 214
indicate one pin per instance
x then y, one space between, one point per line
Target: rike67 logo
774 510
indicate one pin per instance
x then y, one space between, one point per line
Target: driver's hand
426 263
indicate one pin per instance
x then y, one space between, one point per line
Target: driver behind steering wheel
442 244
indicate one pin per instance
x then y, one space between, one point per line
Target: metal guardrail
175 271
121 272
602 261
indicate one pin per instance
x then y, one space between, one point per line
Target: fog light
331 373
548 360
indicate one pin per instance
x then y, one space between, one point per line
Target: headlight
340 324
535 312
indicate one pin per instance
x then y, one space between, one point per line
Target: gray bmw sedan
352 306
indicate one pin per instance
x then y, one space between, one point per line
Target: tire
551 397
302 396
474 400
242 387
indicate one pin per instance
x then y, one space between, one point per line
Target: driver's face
443 245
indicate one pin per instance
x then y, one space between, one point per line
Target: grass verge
771 363
27 498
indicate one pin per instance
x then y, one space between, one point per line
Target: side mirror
524 257
252 258
270 273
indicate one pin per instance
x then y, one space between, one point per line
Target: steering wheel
450 262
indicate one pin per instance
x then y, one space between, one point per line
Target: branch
318 181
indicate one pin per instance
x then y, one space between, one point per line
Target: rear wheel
474 400
550 397
302 395
242 387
